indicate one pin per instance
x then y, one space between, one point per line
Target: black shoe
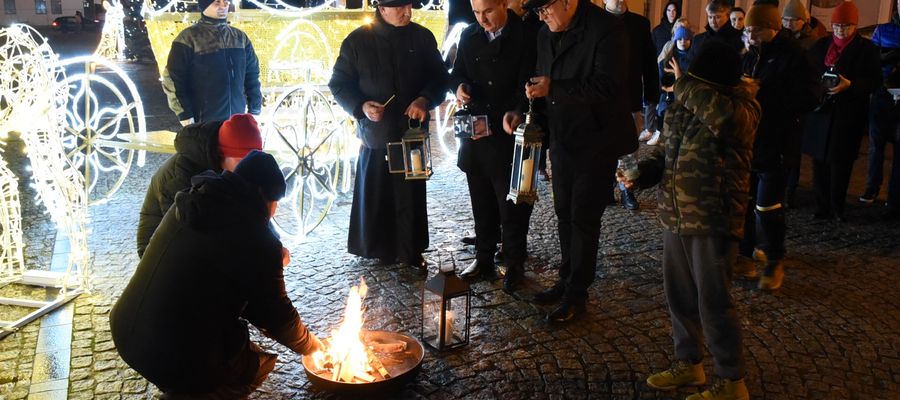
512 281
478 269
566 312
821 214
628 200
468 240
549 296
418 262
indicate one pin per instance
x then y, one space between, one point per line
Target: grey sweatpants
697 280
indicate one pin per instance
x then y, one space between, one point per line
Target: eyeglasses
543 9
841 26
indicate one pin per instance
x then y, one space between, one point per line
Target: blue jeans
764 226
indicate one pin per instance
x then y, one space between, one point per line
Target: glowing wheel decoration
307 138
97 111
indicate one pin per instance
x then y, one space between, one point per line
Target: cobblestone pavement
830 333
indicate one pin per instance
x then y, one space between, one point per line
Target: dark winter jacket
788 88
887 38
807 37
643 77
196 150
663 32
703 170
378 61
727 34
496 73
586 115
212 266
212 72
835 130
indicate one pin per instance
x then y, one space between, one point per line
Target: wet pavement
832 331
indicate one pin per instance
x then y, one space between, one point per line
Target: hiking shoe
744 268
654 140
723 389
645 135
681 374
868 197
772 276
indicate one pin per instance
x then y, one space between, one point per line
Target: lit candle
415 158
448 327
527 171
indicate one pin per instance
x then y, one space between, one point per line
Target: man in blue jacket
212 71
884 124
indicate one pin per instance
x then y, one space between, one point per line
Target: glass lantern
446 304
412 155
468 126
526 161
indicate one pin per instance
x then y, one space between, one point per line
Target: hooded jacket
212 72
887 38
212 266
663 32
196 150
704 167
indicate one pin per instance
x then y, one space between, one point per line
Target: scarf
837 48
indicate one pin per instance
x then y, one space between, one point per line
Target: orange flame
345 349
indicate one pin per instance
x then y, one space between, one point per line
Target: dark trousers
649 118
580 196
697 281
388 218
764 224
830 181
883 129
492 211
233 391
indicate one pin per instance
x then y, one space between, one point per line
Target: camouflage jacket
704 168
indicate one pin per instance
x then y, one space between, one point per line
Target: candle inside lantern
527 172
448 327
415 158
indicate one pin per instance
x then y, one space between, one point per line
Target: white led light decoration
12 264
112 41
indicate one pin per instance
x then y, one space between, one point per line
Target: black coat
726 34
196 150
788 88
643 77
586 115
663 32
378 61
496 72
212 264
835 129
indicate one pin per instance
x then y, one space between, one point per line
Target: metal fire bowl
400 373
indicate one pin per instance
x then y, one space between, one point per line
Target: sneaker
744 268
772 276
654 140
724 389
868 197
645 135
681 374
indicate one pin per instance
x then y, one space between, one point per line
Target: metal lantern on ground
526 161
468 126
412 155
446 305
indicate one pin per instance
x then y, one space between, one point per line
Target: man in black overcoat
580 72
212 267
398 60
494 61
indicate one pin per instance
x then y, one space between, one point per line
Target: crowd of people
726 113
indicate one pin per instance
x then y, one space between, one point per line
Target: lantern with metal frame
446 311
526 161
469 126
411 156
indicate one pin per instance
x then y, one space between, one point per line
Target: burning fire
345 355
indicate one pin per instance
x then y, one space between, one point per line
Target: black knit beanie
203 4
717 62
261 170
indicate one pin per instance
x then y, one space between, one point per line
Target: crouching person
212 267
704 176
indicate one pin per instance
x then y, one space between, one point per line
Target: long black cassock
388 219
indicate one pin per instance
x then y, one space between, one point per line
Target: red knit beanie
238 135
845 13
